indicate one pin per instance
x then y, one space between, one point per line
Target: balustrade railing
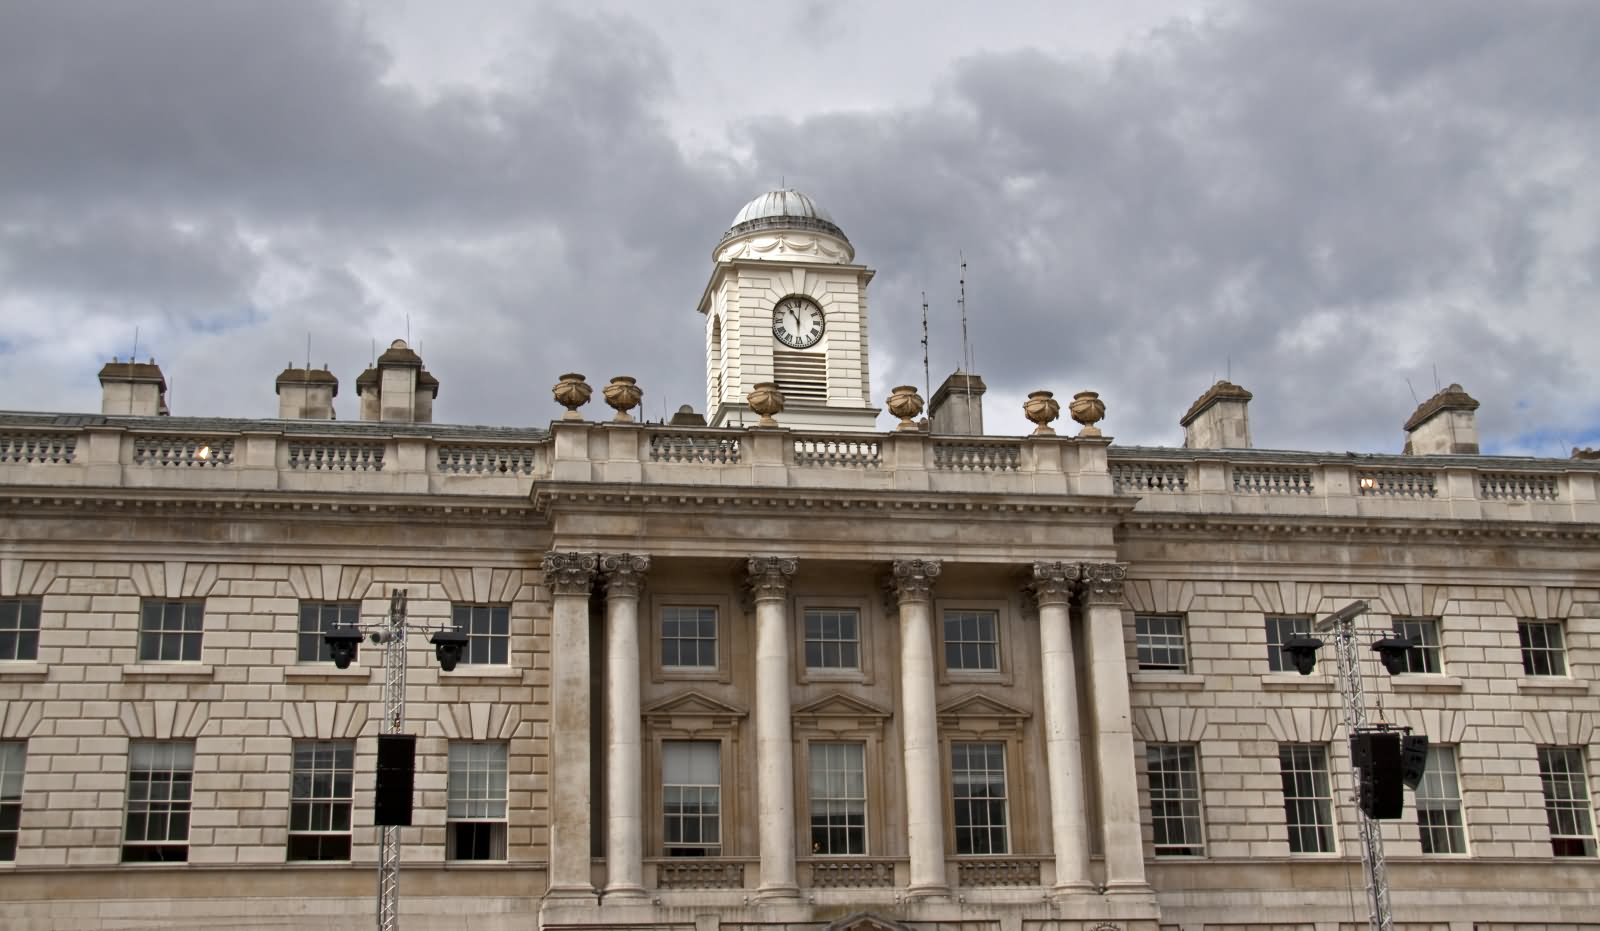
1003 456
1392 484
1272 480
998 872
333 456
694 447
182 451
1517 486
467 459
852 873
699 874
832 451
1142 477
39 448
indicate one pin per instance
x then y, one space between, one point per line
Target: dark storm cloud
1323 199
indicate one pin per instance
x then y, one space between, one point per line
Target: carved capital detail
769 576
1102 582
1054 582
570 573
624 573
913 579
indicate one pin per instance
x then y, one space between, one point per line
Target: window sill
23 671
1170 681
1274 681
170 672
1424 682
1552 685
467 671
327 671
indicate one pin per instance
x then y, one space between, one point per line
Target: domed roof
783 209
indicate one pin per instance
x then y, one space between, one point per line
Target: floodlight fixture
447 647
1302 652
342 642
1392 651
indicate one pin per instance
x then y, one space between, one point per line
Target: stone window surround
1442 802
341 608
1004 630
451 772
726 631
867 624
1332 798
1182 620
881 784
187 804
866 799
1398 623
181 633
482 640
313 800
16 631
1198 799
1558 652
1026 833
721 730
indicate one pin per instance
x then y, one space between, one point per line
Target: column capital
624 573
569 573
1054 582
1102 582
912 579
769 576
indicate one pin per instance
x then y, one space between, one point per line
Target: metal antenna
135 356
961 301
1436 386
927 380
1414 399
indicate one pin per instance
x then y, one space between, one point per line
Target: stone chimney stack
1219 419
956 409
135 389
398 389
306 394
1445 423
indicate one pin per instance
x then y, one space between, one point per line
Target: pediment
977 706
692 704
866 921
840 705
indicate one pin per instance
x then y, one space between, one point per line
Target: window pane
831 638
838 799
1543 648
971 640
1566 801
19 629
1175 799
978 786
1423 658
691 797
156 825
1160 642
1307 802
320 800
689 636
1279 632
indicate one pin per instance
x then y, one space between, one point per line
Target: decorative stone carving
905 403
765 399
1088 409
572 392
624 573
1102 582
1041 408
913 579
785 245
623 395
570 573
769 576
1054 582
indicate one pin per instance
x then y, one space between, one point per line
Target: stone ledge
1293 680
1552 685
1425 683
480 671
167 671
327 671
23 671
1170 681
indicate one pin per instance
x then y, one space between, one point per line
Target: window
833 638
1423 657
689 636
19 629
1279 631
319 617
476 808
488 630
13 760
978 783
1566 801
972 640
170 631
691 797
1160 642
1439 804
1544 649
160 776
1175 800
320 801
1307 797
838 799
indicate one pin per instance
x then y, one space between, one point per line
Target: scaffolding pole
393 638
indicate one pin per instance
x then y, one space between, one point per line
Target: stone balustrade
194 453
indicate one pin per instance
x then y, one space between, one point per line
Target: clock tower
786 303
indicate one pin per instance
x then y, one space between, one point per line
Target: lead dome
783 209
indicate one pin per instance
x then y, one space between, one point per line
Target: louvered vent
801 376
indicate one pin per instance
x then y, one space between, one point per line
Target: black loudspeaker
1413 759
397 765
1377 757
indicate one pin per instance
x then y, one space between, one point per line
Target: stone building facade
779 678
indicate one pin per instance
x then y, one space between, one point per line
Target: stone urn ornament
905 403
572 392
765 399
1088 409
1041 408
623 395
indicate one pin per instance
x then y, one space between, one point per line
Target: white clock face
797 323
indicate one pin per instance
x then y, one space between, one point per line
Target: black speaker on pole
1376 755
1413 759
397 764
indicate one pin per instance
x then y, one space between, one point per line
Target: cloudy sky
1342 205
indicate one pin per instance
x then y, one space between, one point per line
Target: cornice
548 497
1223 526
275 505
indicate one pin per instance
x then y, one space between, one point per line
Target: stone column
1053 584
769 585
624 575
912 587
1119 790
569 576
